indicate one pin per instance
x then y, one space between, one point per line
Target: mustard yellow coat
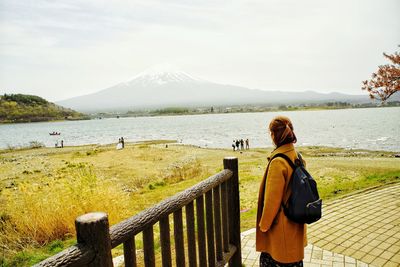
283 239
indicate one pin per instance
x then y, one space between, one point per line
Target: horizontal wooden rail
120 232
228 255
76 255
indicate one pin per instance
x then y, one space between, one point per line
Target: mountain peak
162 74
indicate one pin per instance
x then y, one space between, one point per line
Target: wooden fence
212 229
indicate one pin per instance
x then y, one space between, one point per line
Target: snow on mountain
164 86
146 79
161 75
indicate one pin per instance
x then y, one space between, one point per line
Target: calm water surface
374 128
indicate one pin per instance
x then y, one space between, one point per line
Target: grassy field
43 190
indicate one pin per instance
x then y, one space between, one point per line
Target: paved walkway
358 230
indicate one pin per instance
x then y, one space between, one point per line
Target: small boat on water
54 133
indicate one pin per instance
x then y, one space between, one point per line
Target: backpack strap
293 165
269 163
299 160
281 155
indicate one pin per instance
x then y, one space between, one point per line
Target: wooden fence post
231 163
92 229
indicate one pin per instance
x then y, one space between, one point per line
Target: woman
280 241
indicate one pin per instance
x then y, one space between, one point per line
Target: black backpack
304 204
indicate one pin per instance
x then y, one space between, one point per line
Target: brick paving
313 256
362 229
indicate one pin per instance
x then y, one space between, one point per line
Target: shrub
36 144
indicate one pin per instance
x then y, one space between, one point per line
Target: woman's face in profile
272 137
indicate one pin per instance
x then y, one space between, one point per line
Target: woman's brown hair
281 129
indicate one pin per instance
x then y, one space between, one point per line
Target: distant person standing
62 143
247 144
233 145
237 144
241 144
122 142
119 145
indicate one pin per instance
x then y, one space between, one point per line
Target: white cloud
59 49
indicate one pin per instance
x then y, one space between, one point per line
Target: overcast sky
61 49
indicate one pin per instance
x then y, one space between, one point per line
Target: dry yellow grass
45 210
43 190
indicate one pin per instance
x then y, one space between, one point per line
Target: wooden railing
212 231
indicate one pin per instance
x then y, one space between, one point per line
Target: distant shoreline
183 111
226 110
177 143
38 121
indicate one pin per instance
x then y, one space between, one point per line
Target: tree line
31 108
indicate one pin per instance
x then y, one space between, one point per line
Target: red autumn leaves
386 81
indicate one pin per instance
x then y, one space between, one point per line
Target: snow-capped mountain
166 87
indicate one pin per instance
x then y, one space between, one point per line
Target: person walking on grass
241 144
280 241
247 144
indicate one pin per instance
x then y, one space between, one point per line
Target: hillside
174 88
30 108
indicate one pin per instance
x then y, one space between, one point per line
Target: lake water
374 128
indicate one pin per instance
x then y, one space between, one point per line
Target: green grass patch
32 256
